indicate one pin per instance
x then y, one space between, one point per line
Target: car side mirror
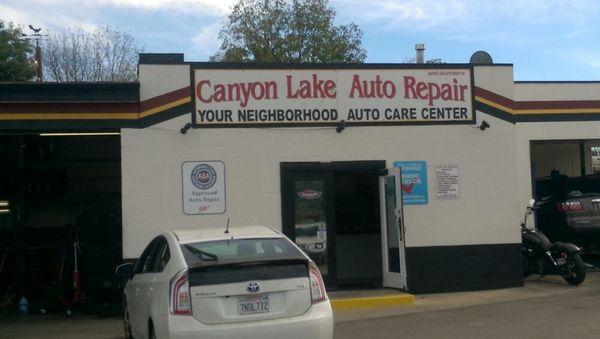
125 271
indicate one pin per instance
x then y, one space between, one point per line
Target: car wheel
126 325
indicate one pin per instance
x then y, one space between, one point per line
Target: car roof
239 232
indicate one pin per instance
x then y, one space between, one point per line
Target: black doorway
331 210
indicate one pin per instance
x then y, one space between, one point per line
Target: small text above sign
312 97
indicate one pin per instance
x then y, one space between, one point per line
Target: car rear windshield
219 252
563 187
237 260
583 186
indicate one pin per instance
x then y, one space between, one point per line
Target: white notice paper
446 182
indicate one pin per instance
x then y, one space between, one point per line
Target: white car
249 282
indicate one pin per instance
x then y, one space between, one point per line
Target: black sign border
288 67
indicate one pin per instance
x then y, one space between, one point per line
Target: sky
544 39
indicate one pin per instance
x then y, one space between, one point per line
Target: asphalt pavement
551 309
544 308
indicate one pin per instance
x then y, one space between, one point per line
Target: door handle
400 229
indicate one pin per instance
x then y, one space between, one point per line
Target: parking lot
566 315
546 307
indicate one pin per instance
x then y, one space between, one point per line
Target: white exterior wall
485 213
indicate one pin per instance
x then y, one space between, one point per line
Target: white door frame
395 276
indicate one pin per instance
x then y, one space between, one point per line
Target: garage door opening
566 183
62 207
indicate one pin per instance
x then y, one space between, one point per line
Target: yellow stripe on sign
495 105
558 111
537 111
91 116
165 107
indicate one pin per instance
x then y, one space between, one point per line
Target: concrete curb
339 304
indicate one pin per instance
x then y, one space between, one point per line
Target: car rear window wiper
202 255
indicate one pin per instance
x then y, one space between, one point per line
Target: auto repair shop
399 175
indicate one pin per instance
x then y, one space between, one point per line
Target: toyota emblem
253 287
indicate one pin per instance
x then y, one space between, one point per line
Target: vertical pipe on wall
420 49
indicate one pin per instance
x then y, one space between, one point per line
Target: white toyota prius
249 282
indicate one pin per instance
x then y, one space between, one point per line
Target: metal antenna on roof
227 228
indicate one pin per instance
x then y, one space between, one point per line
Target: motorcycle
540 256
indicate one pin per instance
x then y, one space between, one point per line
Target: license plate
253 304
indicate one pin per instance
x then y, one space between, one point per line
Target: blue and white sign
414 182
203 187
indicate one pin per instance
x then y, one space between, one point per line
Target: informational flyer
203 187
414 182
447 182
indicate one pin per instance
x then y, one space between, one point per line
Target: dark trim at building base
439 269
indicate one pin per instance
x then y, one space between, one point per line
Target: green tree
15 52
288 31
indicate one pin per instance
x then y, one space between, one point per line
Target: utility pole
39 77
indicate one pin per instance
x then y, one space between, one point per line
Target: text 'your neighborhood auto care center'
311 97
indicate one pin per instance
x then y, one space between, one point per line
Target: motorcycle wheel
574 270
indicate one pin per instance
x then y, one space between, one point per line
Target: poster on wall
203 187
446 182
414 182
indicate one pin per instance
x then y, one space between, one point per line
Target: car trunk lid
249 291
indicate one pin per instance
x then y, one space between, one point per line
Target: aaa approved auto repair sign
203 187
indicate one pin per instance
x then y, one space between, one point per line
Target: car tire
126 324
574 274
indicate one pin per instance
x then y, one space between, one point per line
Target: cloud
455 15
206 42
590 58
87 13
46 17
201 7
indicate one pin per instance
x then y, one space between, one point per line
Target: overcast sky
544 39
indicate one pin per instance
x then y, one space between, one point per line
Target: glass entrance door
392 229
308 218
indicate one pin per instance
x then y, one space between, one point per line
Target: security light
340 126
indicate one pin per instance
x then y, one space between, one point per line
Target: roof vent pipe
420 48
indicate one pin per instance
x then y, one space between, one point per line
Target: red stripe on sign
164 99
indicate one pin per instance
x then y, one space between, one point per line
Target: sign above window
313 97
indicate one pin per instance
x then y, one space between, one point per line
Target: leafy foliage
288 31
15 52
102 55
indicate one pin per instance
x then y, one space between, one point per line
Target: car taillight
570 206
317 287
181 303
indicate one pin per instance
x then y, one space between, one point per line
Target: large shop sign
306 97
203 187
